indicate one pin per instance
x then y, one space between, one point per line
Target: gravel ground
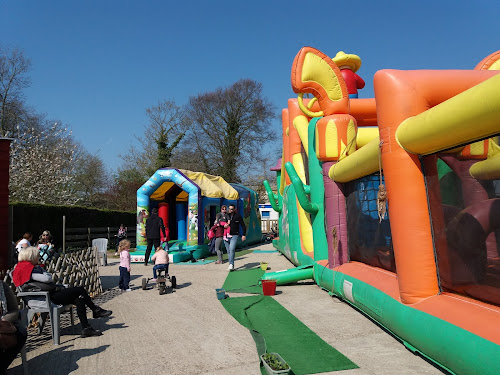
189 332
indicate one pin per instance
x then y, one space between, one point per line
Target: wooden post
64 233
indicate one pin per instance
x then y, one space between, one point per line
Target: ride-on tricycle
161 282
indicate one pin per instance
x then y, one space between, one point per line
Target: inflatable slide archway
188 203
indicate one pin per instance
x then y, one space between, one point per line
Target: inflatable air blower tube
290 276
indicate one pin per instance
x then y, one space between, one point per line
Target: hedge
36 218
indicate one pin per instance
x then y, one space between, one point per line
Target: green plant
274 362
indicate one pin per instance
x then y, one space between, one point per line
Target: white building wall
267 212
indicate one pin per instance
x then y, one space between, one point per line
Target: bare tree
14 68
90 179
121 194
262 165
167 126
233 123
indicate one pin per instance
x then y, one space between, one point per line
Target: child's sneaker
230 268
153 280
128 290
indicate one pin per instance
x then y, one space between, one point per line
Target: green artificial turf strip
244 281
283 333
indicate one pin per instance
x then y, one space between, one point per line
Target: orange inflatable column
399 95
294 142
286 146
407 196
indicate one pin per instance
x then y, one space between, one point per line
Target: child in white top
160 257
123 248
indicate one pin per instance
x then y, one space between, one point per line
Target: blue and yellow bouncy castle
188 203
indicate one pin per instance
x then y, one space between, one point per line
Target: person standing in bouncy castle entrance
349 64
154 224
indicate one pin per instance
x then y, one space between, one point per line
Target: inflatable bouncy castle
188 203
393 203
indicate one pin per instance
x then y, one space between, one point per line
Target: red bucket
269 287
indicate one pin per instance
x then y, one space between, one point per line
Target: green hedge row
36 218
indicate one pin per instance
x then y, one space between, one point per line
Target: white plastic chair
45 306
101 244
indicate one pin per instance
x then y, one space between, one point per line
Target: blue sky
97 65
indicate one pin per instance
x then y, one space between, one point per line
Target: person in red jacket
349 64
218 229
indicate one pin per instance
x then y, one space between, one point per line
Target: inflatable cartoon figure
349 64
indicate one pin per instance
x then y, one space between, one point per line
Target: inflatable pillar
163 213
180 211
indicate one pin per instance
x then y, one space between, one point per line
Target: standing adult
121 235
234 222
154 224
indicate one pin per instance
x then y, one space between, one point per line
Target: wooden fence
72 267
266 225
82 237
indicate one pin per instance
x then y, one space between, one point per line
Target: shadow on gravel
107 327
183 285
109 282
57 361
248 265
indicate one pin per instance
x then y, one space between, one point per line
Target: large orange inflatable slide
393 203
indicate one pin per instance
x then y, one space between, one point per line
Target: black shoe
89 331
101 313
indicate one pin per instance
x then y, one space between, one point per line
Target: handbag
210 234
8 335
38 286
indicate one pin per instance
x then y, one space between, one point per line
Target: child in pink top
123 248
160 257
226 236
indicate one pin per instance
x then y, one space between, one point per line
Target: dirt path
189 332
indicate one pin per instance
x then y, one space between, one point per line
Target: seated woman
9 312
28 270
45 246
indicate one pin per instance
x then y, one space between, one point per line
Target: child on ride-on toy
160 257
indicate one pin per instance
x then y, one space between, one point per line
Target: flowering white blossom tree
42 166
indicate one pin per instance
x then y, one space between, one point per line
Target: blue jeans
231 247
123 284
159 267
